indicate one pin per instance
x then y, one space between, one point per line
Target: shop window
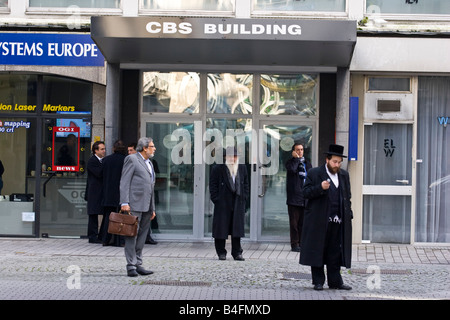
304 5
171 92
67 96
3 4
81 4
441 7
18 94
207 5
230 93
433 160
17 167
289 94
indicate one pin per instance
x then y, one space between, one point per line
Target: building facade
199 76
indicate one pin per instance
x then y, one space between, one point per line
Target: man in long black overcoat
229 192
327 227
112 171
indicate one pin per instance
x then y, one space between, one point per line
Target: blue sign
49 49
353 129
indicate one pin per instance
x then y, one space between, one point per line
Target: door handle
402 181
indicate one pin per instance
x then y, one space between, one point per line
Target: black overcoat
315 221
94 190
222 197
112 171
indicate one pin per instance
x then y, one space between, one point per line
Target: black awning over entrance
220 41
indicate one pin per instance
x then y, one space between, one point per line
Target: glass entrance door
176 184
387 186
275 148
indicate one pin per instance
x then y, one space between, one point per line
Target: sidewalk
73 269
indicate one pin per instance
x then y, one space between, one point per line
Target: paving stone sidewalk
73 269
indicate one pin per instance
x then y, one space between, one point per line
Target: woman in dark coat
319 226
229 197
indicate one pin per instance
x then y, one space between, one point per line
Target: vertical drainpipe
342 109
112 105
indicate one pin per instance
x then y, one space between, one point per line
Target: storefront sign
10 126
187 28
443 121
49 49
187 40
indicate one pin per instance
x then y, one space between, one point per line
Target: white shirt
334 177
147 162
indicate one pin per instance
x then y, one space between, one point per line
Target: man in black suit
94 193
327 225
296 170
229 188
112 171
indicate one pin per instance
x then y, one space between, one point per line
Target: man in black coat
94 193
112 171
296 169
229 189
327 227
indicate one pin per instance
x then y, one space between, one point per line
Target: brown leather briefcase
123 224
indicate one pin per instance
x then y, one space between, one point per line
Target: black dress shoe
150 241
132 273
143 272
222 257
318 287
239 258
342 287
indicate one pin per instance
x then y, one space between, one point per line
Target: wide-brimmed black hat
336 150
231 151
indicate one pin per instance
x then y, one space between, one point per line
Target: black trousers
296 214
331 257
93 231
236 248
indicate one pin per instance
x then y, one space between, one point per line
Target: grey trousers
135 245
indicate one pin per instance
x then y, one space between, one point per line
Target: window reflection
210 5
174 92
289 94
230 93
81 4
407 7
304 5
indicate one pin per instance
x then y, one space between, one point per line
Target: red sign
66 149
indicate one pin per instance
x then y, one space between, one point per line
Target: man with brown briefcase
137 197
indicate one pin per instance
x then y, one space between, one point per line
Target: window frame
82 11
407 17
307 14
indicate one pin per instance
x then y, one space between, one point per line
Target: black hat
231 151
336 150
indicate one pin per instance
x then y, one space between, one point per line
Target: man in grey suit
137 196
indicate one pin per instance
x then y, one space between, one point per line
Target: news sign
49 49
66 149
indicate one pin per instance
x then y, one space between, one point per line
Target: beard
333 170
233 167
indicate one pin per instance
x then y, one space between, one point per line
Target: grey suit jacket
137 184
